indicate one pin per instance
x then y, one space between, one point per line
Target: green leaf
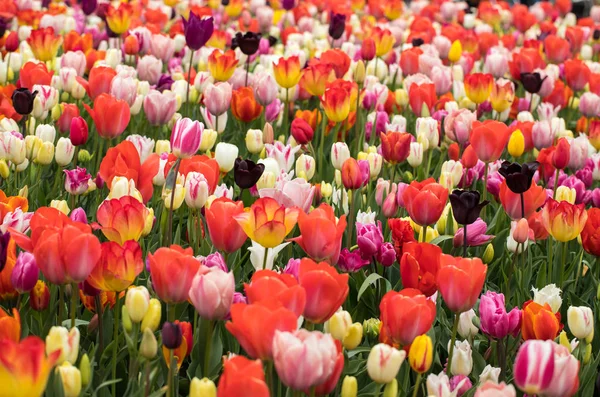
371 279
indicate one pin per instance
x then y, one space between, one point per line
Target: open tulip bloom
299 198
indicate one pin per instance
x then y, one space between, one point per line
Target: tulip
495 321
211 293
395 146
384 363
398 310
352 177
39 296
225 154
202 388
349 386
425 201
197 31
515 206
460 281
137 302
247 173
25 274
590 232
493 389
152 317
122 219
222 64
303 359
242 376
71 379
111 116
466 328
217 98
173 260
160 109
65 341
564 221
336 103
301 131
316 77
478 87
186 137
225 233
20 378
268 285
10 327
339 154
420 355
581 321
76 181
539 322
577 74
489 139
419 265
287 72
22 100
535 377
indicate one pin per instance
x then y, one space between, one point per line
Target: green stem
557 173
169 237
99 313
579 264
321 146
187 94
485 182
171 312
264 266
61 305
452 340
351 222
170 376
74 292
116 344
563 264
207 349
550 260
417 384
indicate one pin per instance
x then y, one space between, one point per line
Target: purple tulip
25 273
475 235
586 175
292 267
351 262
369 238
575 183
495 321
4 239
215 260
78 215
460 384
89 6
386 254
197 31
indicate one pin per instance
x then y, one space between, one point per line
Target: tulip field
285 198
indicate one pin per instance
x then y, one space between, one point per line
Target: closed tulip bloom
460 281
321 233
425 201
225 232
557 49
244 106
211 293
118 266
242 376
267 222
65 341
217 98
160 107
404 316
384 41
196 190
186 137
202 388
339 154
287 72
420 355
111 116
534 366
284 288
302 131
516 144
70 377
349 386
581 321
222 64
122 219
495 321
165 262
489 139
39 296
478 87
563 220
577 74
384 363
78 131
152 317
502 95
322 280
539 322
19 376
137 302
264 316
303 359
419 265
25 274
395 146
10 327
590 235
534 198
336 103
351 174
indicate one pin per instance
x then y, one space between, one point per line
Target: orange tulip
209 167
533 198
338 60
118 19
118 266
460 281
539 322
107 300
404 316
419 266
489 139
283 288
425 201
10 327
186 346
321 234
254 326
111 116
325 288
478 86
562 220
124 160
267 222
167 262
242 377
222 64
336 103
100 81
395 146
11 203
577 74
7 290
244 105
384 41
590 235
225 233
122 219
34 73
287 72
73 41
44 43
316 77
24 367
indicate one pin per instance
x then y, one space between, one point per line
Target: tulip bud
254 141
488 254
174 196
455 51
71 379
305 167
561 156
225 154
171 335
162 146
349 386
4 170
415 157
391 389
581 321
268 134
45 154
83 156
466 328
420 355
353 337
137 302
587 355
78 132
339 324
64 151
360 72
371 328
339 154
326 190
148 345
462 359
125 320
516 144
209 138
302 131
151 319
24 276
203 388
85 369
61 205
196 190
563 339
384 363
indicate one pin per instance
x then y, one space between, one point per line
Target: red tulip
577 74
590 235
460 281
422 98
557 49
425 201
419 266
395 146
284 288
111 116
489 139
225 233
242 377
172 270
533 198
100 80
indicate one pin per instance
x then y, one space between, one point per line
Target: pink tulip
149 68
442 78
542 135
294 193
442 44
124 88
534 366
186 137
265 88
25 274
76 181
578 153
458 125
17 220
495 321
217 98
162 47
78 132
565 381
211 292
160 107
475 235
496 64
589 104
303 359
491 389
75 60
